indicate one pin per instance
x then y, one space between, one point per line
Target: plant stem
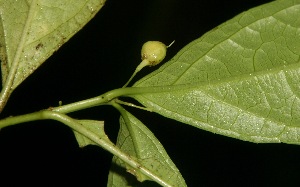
97 101
75 125
110 95
84 104
144 63
58 113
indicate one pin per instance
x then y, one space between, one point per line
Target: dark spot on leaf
39 46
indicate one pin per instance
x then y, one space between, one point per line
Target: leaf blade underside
240 79
138 141
50 24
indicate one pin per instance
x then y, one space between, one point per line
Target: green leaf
94 126
138 141
240 80
30 31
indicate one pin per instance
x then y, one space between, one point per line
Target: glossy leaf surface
30 31
239 80
138 141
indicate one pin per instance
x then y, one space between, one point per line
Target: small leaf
30 31
96 127
239 80
138 141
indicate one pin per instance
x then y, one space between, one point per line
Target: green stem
144 63
132 105
75 125
110 95
84 104
58 113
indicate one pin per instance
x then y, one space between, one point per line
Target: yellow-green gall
154 52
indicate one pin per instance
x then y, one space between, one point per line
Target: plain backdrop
101 57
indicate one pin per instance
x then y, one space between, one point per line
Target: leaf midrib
207 85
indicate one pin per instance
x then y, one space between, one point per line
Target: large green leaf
138 141
30 31
241 79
